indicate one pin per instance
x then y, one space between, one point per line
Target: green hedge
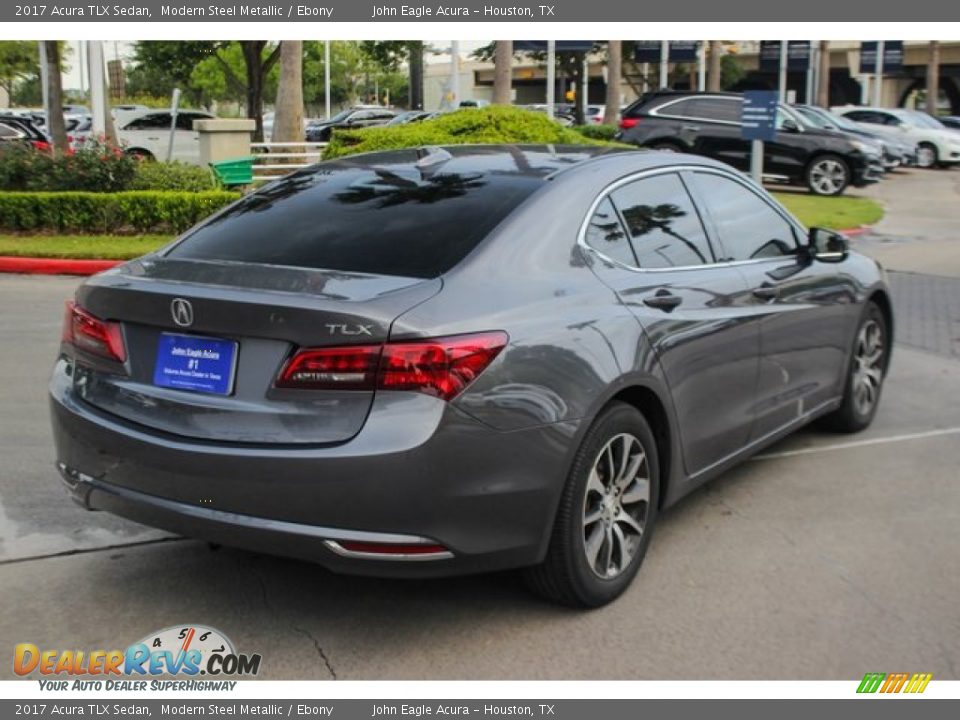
118 213
496 124
172 176
598 132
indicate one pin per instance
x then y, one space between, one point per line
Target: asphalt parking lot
824 558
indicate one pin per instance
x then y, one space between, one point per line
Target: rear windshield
386 220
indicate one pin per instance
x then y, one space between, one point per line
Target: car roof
527 160
605 163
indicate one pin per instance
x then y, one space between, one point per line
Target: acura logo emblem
182 312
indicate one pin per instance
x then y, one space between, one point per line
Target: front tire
828 175
865 375
606 515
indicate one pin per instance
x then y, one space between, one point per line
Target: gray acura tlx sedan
455 360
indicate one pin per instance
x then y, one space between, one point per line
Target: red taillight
90 334
441 367
345 368
627 123
391 548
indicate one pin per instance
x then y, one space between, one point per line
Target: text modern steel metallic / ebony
454 360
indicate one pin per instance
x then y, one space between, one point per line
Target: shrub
598 132
117 213
497 124
172 176
97 167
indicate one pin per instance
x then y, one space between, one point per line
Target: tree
288 122
933 78
160 66
54 108
258 66
390 54
823 89
614 75
173 64
714 67
502 72
570 64
18 60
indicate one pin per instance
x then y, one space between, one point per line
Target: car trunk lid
257 315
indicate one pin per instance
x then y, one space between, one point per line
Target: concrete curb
54 266
854 232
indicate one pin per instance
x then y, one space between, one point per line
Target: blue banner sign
798 55
892 57
681 51
759 115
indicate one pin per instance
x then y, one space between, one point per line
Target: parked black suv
709 124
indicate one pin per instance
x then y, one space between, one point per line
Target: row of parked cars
826 151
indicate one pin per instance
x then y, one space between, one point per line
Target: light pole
878 76
551 76
326 76
782 84
664 63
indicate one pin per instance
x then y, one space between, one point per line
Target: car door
803 307
186 143
717 132
658 260
150 132
791 148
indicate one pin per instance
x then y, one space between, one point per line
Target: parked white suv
147 134
936 144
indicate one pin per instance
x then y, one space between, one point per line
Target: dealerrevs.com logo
179 651
888 683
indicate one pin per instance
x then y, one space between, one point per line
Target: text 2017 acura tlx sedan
453 360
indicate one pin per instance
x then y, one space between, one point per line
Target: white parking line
860 443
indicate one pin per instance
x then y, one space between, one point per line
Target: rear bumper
420 471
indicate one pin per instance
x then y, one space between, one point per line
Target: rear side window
748 226
679 108
150 122
8 132
664 227
605 234
385 219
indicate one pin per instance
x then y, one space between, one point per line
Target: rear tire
607 513
865 374
827 175
141 155
927 156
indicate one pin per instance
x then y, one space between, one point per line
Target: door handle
663 300
766 292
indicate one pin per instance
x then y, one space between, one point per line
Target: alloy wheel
828 176
868 367
615 506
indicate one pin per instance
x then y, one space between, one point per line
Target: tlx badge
344 329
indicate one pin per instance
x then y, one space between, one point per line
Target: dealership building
847 84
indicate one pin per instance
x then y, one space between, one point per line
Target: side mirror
828 245
789 125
